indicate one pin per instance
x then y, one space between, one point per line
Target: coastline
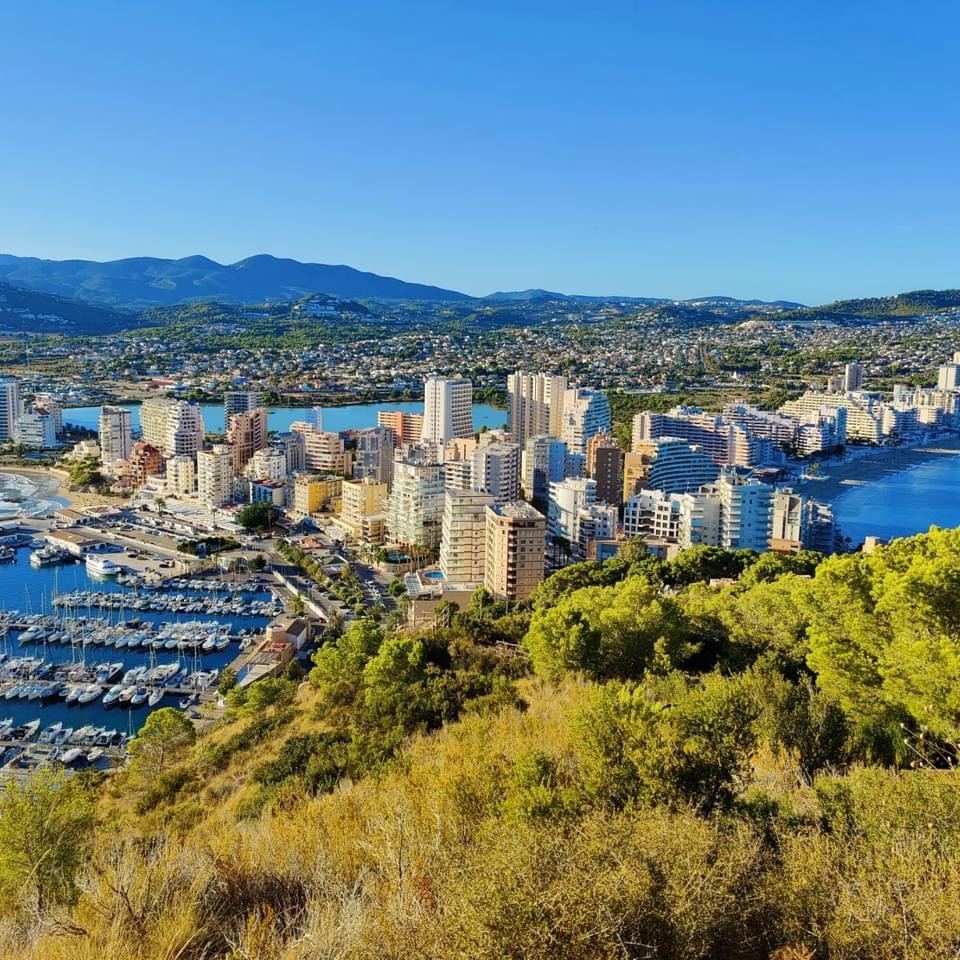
840 478
53 484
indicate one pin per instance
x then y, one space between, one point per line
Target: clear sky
804 151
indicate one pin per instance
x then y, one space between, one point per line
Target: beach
53 484
875 464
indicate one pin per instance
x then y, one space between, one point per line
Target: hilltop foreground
661 769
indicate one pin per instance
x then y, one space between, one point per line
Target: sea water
902 504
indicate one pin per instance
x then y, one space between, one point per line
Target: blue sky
805 151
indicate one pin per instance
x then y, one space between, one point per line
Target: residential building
536 405
11 406
47 403
174 427
496 470
36 429
181 478
675 466
596 523
294 449
312 495
745 511
267 463
215 476
852 377
145 461
447 409
605 465
514 562
406 427
415 512
865 413
544 462
463 539
246 434
568 500
373 455
362 509
323 452
948 377
585 413
115 434
239 401
653 515
267 491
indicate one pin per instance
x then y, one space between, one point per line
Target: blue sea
355 416
903 504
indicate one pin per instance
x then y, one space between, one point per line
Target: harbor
85 658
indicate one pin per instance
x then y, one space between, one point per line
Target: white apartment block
447 409
36 430
496 470
415 511
174 427
267 464
115 434
675 466
463 541
11 406
215 476
568 500
536 405
585 413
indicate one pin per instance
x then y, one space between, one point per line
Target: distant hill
534 294
27 311
869 309
143 282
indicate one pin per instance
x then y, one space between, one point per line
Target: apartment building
415 512
239 401
362 509
323 452
115 434
11 406
496 470
406 427
267 463
568 500
181 479
544 462
536 405
585 413
463 538
316 494
514 556
447 409
674 466
246 434
174 427
145 461
215 476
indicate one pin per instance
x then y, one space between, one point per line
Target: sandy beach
54 483
874 465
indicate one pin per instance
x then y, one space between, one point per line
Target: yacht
74 753
139 697
155 697
102 566
112 695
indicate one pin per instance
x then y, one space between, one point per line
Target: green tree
258 516
46 824
164 738
228 680
614 631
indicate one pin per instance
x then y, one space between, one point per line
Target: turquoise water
355 416
904 503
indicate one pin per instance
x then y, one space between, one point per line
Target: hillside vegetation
634 764
903 305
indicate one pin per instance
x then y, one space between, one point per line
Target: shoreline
53 484
876 465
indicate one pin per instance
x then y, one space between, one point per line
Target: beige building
516 539
463 537
246 434
536 405
215 476
323 452
174 427
362 509
181 480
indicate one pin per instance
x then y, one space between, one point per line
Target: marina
87 654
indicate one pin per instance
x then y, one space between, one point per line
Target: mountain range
140 282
